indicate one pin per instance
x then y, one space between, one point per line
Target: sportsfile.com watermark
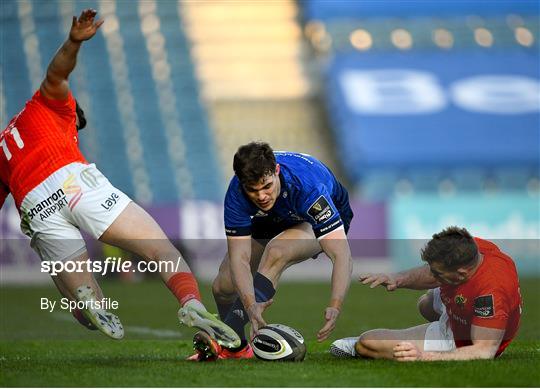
110 265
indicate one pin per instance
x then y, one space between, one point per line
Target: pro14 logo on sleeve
321 210
484 307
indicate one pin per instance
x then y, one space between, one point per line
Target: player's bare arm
419 278
336 246
240 253
55 85
485 341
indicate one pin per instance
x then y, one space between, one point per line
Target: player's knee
425 307
366 341
221 290
273 257
361 351
365 346
217 289
422 303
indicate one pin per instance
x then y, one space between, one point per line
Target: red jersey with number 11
41 139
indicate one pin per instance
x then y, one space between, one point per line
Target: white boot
344 348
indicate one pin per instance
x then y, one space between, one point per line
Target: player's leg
147 240
225 296
110 215
81 286
294 245
380 343
150 242
289 246
223 287
77 314
430 305
68 282
76 282
56 240
62 287
122 223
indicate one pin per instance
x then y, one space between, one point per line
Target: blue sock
223 309
238 317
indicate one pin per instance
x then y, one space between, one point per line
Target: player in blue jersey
281 208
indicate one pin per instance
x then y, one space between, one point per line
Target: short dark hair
80 115
254 161
453 247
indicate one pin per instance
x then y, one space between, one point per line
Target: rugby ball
278 342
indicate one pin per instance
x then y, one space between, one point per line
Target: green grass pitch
38 348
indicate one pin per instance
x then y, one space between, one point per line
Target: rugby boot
344 348
206 348
108 323
224 335
245 353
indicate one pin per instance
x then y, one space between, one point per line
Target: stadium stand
258 77
172 88
431 96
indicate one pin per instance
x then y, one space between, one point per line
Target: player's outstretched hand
85 27
407 352
389 281
255 311
330 315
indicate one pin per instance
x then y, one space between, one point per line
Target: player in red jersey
474 306
57 192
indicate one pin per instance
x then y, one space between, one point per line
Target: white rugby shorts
76 196
439 335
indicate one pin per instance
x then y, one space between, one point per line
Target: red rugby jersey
41 139
490 298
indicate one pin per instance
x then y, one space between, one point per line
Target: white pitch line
160 333
157 332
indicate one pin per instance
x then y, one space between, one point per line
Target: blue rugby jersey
309 192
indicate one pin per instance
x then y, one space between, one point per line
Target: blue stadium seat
201 153
447 136
343 9
425 180
379 185
468 179
111 153
513 178
143 89
15 79
456 146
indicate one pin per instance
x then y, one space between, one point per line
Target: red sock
184 286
